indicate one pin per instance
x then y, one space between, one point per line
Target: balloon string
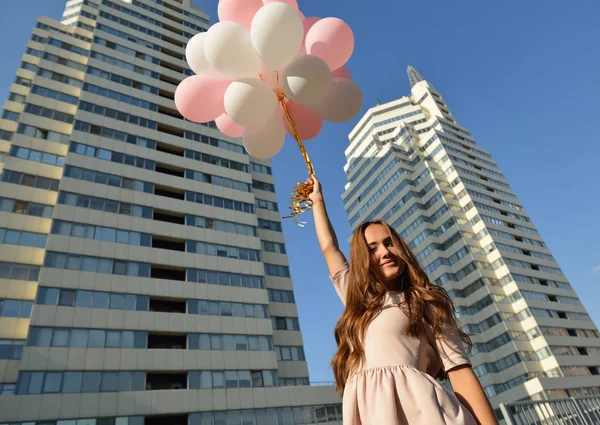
300 202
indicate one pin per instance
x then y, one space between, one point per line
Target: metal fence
563 411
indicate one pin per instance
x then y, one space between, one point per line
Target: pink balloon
341 72
199 98
307 23
332 40
240 11
292 3
229 127
308 123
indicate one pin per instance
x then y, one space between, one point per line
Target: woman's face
384 255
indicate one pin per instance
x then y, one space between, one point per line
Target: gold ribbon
300 202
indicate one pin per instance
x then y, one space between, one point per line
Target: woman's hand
316 194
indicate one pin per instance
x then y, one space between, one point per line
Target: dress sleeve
451 350
340 281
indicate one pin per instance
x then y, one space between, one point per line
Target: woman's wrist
316 199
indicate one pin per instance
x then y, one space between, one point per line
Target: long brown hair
428 306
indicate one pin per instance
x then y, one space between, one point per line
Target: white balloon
196 58
267 141
228 48
276 33
307 80
250 102
342 103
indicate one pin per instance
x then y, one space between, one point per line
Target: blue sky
522 76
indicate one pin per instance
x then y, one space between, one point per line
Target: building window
15 308
38 182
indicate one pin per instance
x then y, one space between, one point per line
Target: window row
261 168
106 234
69 47
80 382
18 271
128 37
151 144
292 353
267 205
18 237
281 296
117 115
268 187
114 134
15 308
49 113
38 133
285 323
108 179
101 204
275 226
120 97
104 154
125 65
60 260
230 342
195 27
55 76
212 379
490 198
119 48
221 225
8 389
503 223
132 13
216 201
53 94
11 349
129 24
116 78
6 135
485 187
75 35
278 248
86 338
225 278
276 270
212 141
23 179
116 301
92 299
218 180
227 309
294 382
204 248
10 115
37 156
535 281
215 160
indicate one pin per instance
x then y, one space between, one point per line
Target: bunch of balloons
265 70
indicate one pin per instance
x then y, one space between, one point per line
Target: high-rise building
410 163
143 274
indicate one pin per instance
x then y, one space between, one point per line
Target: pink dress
395 385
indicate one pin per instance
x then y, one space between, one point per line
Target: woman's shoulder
341 272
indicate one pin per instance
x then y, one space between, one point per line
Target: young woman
396 334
